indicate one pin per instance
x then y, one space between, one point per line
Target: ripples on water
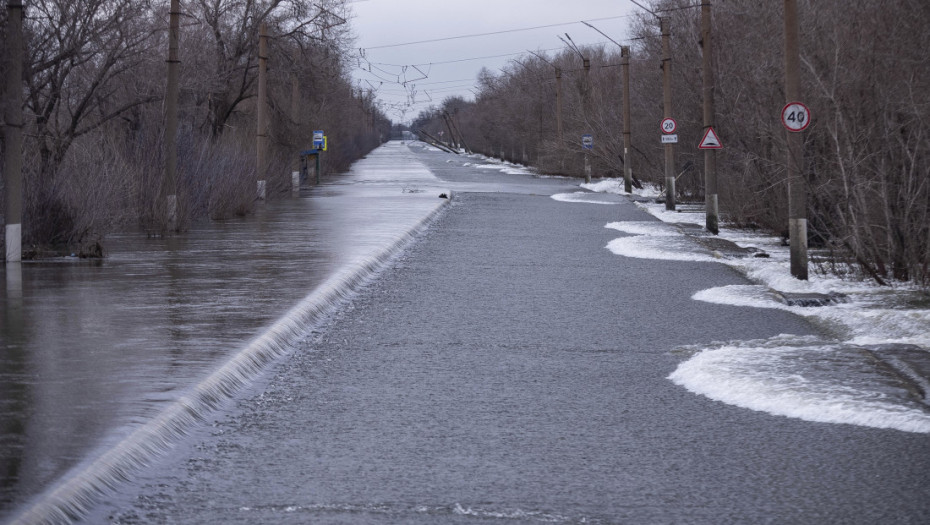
105 363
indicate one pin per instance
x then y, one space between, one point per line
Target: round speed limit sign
669 125
796 116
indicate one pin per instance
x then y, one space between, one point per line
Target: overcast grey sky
432 71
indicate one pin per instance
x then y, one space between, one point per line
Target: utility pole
712 211
13 134
459 132
627 145
452 138
797 190
627 127
171 118
586 102
262 110
294 120
558 112
585 98
664 24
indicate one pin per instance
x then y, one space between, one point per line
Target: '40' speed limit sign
796 116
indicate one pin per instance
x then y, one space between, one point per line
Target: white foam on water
579 197
663 248
803 378
518 170
656 240
769 378
509 514
654 228
864 320
616 186
793 376
395 511
752 295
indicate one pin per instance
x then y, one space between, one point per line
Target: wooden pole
664 24
170 189
13 134
797 190
262 110
710 155
627 125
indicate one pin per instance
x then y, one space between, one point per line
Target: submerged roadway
508 368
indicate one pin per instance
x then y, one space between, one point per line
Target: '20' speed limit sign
669 125
796 116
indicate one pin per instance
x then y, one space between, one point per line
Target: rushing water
104 362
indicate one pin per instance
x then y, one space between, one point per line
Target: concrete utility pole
627 127
295 122
13 134
625 80
262 110
585 108
452 138
710 156
664 24
170 189
558 112
797 190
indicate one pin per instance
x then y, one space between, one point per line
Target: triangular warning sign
710 140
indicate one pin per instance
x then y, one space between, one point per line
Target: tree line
865 77
93 89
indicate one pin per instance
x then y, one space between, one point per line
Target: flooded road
511 367
92 351
520 361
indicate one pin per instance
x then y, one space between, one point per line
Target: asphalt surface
509 368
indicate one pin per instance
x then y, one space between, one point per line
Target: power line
494 32
519 53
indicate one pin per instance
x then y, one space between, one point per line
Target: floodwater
93 352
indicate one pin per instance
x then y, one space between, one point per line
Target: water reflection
91 351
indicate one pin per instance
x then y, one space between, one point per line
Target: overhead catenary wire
504 31
392 73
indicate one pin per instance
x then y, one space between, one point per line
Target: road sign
710 140
795 116
669 139
669 125
318 139
587 142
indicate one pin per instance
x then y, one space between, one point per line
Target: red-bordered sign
669 126
710 140
795 117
